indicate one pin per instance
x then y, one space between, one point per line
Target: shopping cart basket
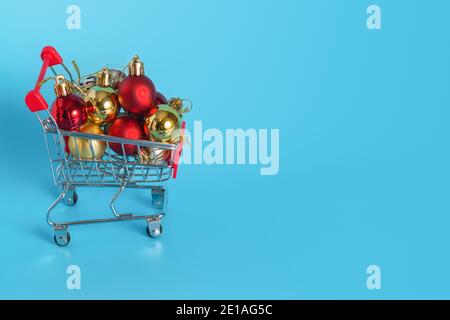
109 170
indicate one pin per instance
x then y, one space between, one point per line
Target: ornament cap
179 105
104 78
136 67
61 88
176 103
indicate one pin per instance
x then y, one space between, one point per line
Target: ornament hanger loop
59 79
62 86
189 106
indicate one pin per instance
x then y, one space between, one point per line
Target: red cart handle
178 151
34 99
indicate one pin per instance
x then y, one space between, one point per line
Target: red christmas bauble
69 112
150 112
66 144
160 99
137 94
129 128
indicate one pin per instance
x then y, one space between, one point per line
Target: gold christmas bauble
176 103
87 149
163 125
102 102
155 156
180 105
102 105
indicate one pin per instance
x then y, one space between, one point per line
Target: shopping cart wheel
154 232
71 197
62 240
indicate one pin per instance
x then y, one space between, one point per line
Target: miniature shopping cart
110 170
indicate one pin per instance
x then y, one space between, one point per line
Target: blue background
363 151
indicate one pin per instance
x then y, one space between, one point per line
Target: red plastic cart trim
178 152
34 99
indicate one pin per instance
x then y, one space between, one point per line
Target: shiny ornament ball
116 77
69 112
137 94
155 156
66 144
128 128
150 112
163 125
160 99
87 149
176 103
102 105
